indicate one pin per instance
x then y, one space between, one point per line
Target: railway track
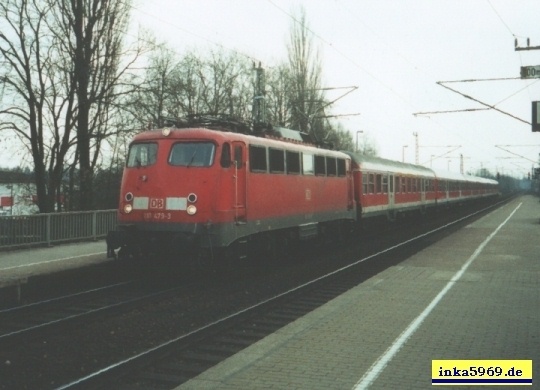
32 319
175 361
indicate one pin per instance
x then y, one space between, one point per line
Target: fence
46 229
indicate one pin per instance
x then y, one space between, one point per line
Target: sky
395 52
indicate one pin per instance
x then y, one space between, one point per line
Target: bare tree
152 101
339 137
62 71
306 98
38 98
225 85
368 146
94 31
277 98
175 88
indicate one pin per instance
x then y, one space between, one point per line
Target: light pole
358 132
403 153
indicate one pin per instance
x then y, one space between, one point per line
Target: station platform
473 295
19 265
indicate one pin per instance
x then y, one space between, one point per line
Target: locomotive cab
189 189
168 199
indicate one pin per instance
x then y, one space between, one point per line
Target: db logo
157 203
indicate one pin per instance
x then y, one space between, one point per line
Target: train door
423 184
239 164
391 195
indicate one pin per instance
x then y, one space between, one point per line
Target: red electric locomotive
184 189
188 190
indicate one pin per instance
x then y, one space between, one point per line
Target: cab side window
226 155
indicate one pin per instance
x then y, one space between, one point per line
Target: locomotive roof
223 136
385 165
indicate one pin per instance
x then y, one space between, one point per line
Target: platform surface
473 295
19 265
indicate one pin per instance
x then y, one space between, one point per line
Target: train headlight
191 209
128 208
192 198
166 132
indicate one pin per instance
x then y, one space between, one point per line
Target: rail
48 229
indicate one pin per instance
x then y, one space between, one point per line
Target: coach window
331 169
142 155
277 160
341 167
403 184
293 162
414 184
226 155
307 164
385 184
371 183
320 165
378 182
257 158
365 183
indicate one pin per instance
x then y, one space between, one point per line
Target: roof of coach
445 175
385 165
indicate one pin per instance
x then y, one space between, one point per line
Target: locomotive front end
166 200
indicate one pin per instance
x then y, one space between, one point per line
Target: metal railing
46 229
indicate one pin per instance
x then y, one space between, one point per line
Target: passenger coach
388 188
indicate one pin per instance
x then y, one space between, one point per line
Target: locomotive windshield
192 154
142 155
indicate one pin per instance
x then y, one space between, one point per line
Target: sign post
535 116
530 72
